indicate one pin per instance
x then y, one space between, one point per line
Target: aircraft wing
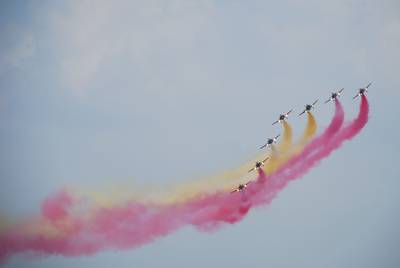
277 121
265 145
302 112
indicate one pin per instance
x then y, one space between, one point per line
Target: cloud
91 37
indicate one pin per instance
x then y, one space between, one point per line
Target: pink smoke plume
320 148
134 224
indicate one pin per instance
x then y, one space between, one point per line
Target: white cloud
168 38
91 36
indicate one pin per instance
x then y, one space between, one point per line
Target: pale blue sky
98 93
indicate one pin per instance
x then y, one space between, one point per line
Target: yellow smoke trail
279 155
286 143
286 149
108 196
309 132
227 180
224 181
230 179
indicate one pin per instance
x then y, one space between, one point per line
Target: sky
95 94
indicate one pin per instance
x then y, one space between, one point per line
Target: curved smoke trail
286 143
133 224
347 133
320 148
309 132
231 178
223 181
280 153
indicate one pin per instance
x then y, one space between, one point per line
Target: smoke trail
329 132
347 133
280 153
278 158
227 180
319 149
56 223
134 224
286 143
309 131
267 187
123 227
222 181
298 165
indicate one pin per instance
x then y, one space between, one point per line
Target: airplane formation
283 117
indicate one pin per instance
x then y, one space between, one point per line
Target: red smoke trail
347 133
276 181
125 226
266 187
299 165
322 139
134 224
